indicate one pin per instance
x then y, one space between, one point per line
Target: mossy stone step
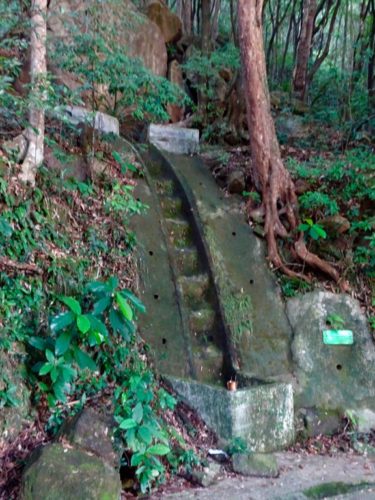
165 187
202 320
194 288
187 261
208 362
171 206
180 233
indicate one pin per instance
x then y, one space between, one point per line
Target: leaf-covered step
180 233
194 288
187 261
202 320
171 206
165 187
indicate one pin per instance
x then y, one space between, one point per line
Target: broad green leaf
46 368
84 360
61 321
68 373
138 413
54 374
73 304
101 305
95 338
124 307
158 449
145 434
128 423
37 342
97 287
321 232
50 356
97 325
112 283
138 304
83 323
63 343
117 321
136 459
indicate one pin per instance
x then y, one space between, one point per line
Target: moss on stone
327 490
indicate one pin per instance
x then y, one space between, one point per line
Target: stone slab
263 416
251 301
62 472
103 123
335 377
177 140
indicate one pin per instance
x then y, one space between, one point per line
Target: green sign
338 337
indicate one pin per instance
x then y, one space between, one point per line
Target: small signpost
338 337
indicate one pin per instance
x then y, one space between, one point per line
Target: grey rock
12 417
16 147
333 377
91 432
236 182
364 419
102 122
319 421
255 464
262 416
291 127
364 448
173 139
59 471
208 476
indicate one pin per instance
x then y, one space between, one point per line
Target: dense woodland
282 91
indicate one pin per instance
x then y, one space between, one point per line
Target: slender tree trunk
269 174
184 11
324 53
38 72
304 49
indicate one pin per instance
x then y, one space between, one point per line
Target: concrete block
106 124
263 416
176 140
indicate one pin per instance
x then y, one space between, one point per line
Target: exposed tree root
5 262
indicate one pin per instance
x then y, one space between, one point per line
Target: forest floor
301 476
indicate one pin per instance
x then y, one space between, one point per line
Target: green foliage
203 72
312 229
236 445
291 286
114 80
335 321
342 185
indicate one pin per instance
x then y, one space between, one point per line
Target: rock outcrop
169 23
135 32
81 465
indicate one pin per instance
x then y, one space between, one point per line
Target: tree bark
269 174
38 72
184 10
304 49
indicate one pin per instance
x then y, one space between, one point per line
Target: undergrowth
68 295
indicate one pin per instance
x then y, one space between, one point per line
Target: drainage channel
199 315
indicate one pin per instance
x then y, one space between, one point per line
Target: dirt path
297 474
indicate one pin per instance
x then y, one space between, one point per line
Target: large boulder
15 402
333 377
61 471
169 23
138 35
92 432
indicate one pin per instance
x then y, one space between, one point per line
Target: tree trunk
38 72
304 49
269 174
184 11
